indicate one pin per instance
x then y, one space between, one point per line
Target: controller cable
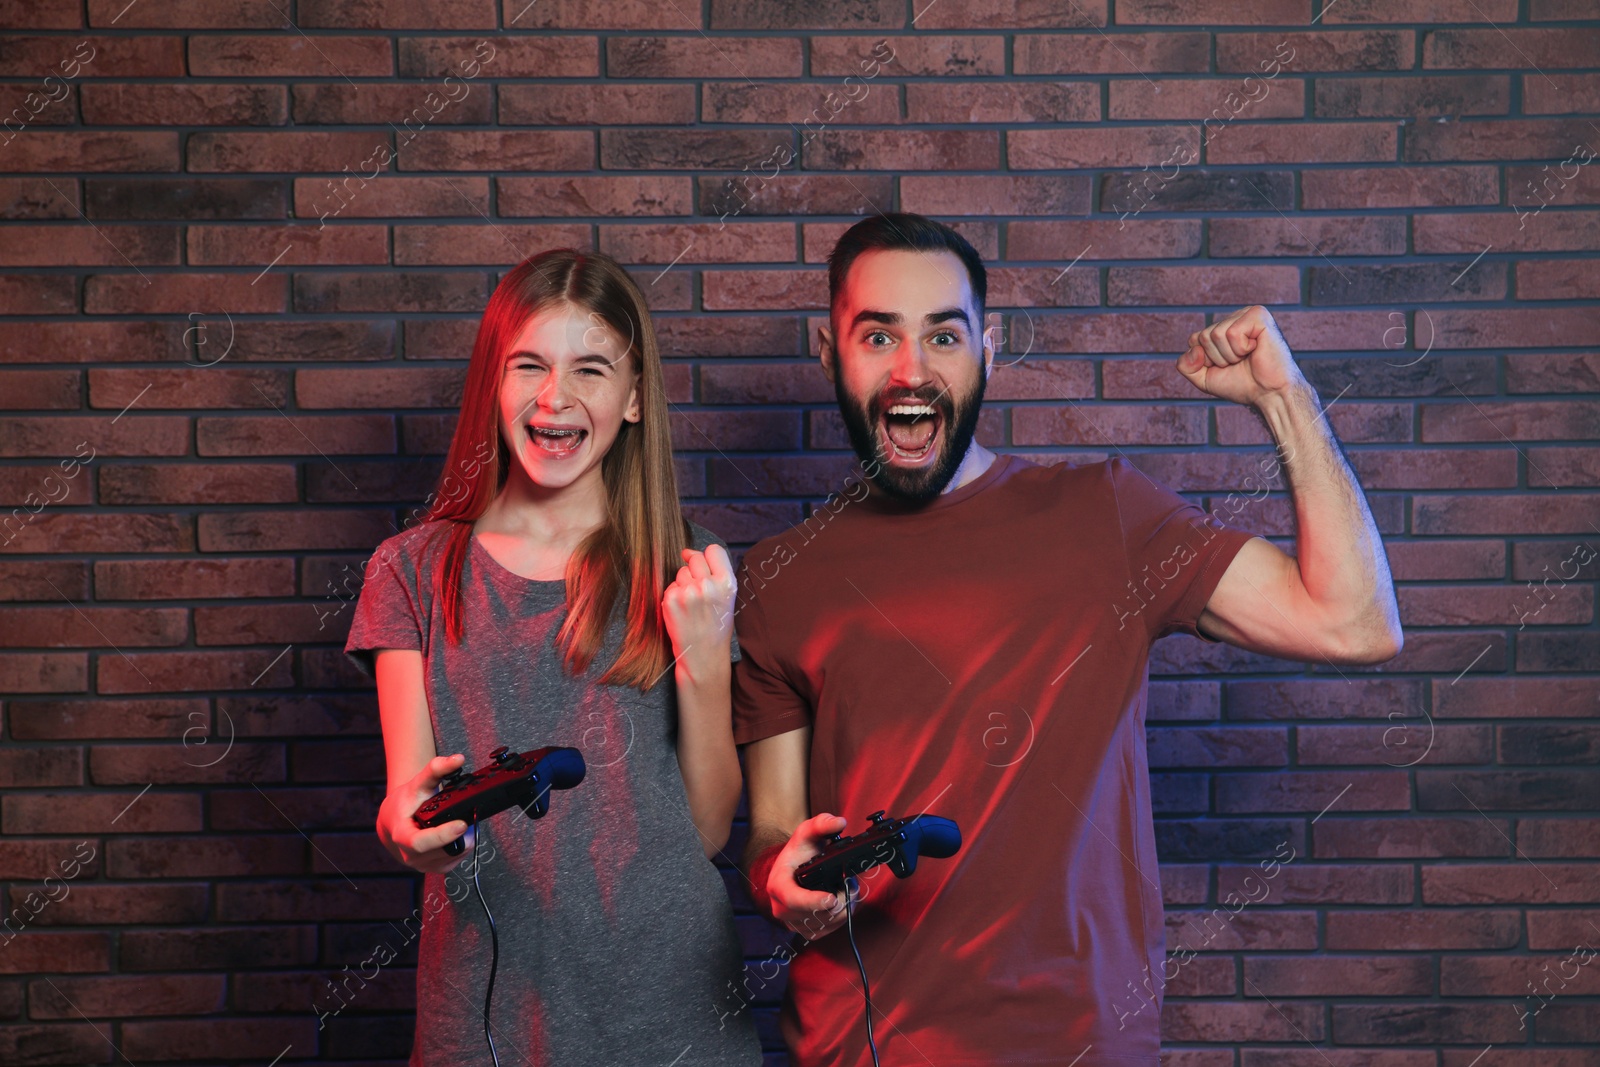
494 939
850 893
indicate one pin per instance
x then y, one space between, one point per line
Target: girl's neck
532 530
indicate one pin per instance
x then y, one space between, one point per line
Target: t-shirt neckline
506 573
880 502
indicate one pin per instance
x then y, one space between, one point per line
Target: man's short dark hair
904 231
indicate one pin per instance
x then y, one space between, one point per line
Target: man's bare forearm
1338 548
760 851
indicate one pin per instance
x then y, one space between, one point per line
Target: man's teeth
911 409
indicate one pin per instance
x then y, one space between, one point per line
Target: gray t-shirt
617 943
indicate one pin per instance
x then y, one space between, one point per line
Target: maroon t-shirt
982 657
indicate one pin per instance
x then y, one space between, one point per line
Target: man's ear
988 351
826 352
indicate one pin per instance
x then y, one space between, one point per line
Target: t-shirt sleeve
387 614
1176 553
765 702
701 538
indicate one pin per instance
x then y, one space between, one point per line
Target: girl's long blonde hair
633 555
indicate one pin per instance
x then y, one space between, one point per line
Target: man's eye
946 334
872 338
596 371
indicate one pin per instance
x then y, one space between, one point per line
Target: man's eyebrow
888 318
933 318
892 318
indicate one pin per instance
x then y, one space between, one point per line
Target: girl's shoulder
409 550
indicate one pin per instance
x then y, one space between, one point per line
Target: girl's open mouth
911 430
558 444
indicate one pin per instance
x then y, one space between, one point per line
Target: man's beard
959 424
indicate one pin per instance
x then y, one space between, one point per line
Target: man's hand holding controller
807 912
418 848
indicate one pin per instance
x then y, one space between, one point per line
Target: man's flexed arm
1334 601
782 838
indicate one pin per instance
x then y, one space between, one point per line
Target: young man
968 636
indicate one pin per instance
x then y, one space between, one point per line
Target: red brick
1451 95
898 150
1423 931
1082 54
193 672
143 56
1383 187
184 15
1231 1021
1316 976
1433 11
184 105
1100 424
198 483
471 245
1422 560
1556 327
1036 287
666 243
1380 235
297 435
216 1038
58 953
397 15
1133 239
1096 332
770 290
1511 47
192 579
1514 697
532 56
1437 469
694 56
357 197
126 996
1409 836
749 195
205 387
1204 12
1147 286
1014 102
1317 51
535 150
1524 420
86 246
594 105
394 292
1335 142
1560 94
1078 148
1539 372
1556 279
210 294
924 55
1495 139
30 580
618 15
56 720
262 247
290 56
1206 98
1511 882
59 672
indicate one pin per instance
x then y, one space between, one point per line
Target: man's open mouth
557 442
911 430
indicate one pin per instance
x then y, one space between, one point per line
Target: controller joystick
511 780
896 843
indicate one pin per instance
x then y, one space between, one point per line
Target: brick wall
231 360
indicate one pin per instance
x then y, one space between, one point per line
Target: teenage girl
554 594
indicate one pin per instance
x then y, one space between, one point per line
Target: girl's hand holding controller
698 610
419 849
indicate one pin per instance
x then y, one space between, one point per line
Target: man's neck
973 464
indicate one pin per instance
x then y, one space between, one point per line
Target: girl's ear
633 413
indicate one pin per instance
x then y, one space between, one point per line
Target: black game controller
895 842
514 780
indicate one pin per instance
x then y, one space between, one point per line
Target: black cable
494 941
851 886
